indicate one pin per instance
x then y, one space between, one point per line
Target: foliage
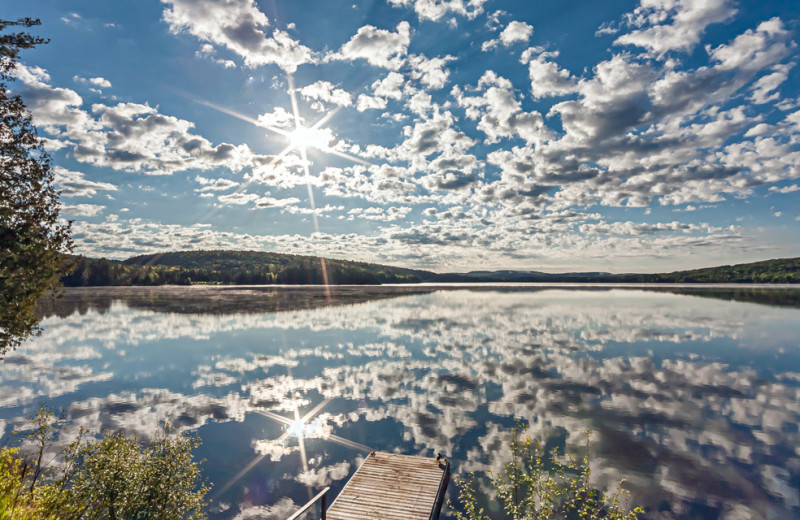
535 485
261 268
782 270
231 267
32 240
114 477
17 502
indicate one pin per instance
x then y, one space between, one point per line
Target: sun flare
303 138
297 428
306 429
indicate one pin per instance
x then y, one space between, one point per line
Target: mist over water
694 399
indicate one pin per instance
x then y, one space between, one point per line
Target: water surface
694 398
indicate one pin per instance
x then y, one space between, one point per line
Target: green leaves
115 477
537 485
32 239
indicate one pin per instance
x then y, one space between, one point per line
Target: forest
260 268
784 270
230 267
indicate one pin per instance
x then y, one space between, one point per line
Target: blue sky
448 135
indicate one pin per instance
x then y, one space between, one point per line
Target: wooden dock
393 487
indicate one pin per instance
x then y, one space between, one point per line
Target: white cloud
516 32
759 129
271 202
619 126
327 92
495 156
237 199
209 185
301 210
433 136
435 9
75 184
378 184
548 79
279 118
381 48
239 26
786 189
72 19
493 19
366 102
98 81
431 72
208 51
499 112
421 103
323 476
383 90
285 171
127 136
82 210
490 45
765 89
754 50
389 87
389 214
450 179
689 19
52 107
135 137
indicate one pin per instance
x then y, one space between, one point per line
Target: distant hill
233 267
260 268
537 276
782 270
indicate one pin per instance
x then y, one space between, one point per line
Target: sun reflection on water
302 429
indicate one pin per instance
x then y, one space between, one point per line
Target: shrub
535 485
114 477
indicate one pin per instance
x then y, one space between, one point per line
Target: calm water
694 399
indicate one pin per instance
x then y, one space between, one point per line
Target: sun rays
303 138
299 140
299 428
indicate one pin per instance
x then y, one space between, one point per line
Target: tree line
783 270
229 267
260 268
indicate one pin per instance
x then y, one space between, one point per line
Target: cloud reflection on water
695 401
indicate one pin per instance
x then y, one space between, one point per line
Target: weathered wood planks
393 487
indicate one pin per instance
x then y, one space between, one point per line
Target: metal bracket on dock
437 506
321 497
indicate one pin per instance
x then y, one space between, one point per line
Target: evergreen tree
32 239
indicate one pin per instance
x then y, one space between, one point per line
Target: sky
450 135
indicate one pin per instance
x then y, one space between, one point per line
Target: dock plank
392 487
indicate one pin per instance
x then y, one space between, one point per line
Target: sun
303 138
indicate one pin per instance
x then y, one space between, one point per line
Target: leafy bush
535 485
114 477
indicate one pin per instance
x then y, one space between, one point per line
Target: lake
692 395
